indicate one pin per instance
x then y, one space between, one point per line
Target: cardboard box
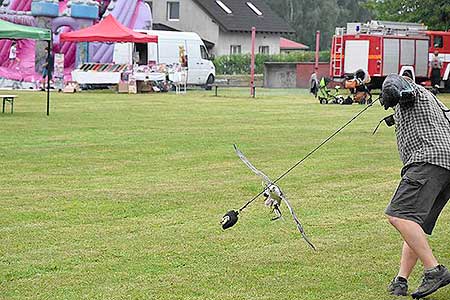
144 86
71 87
123 87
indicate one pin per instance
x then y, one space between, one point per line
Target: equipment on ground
357 83
272 191
326 96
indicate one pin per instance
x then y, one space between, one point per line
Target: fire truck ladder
337 56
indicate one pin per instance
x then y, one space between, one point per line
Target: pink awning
108 30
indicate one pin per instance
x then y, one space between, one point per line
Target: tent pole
48 76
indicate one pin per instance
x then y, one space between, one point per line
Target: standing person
423 139
13 52
436 66
47 68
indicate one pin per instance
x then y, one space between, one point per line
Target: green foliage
240 64
308 16
433 13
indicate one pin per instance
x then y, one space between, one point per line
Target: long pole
316 66
252 64
48 75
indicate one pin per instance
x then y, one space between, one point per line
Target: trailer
380 48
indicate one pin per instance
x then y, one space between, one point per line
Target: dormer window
224 7
254 8
173 11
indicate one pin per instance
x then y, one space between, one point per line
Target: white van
201 70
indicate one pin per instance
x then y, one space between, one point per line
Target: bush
240 63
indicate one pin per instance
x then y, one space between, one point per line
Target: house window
224 7
235 49
254 8
173 11
264 49
438 41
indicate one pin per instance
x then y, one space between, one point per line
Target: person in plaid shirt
423 140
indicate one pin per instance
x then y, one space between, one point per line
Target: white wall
192 18
245 40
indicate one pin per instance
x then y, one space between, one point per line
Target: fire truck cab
380 48
440 41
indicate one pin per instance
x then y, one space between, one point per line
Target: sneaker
398 287
432 280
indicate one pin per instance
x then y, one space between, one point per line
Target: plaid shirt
423 131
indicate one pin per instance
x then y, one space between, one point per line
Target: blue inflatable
84 11
43 8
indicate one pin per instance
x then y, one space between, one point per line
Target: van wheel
209 82
210 79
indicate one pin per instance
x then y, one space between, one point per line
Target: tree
433 13
308 16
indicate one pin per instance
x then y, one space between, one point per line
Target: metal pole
48 75
252 64
316 66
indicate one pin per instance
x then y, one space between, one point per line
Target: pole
48 75
316 66
252 64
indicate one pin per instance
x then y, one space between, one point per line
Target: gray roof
243 18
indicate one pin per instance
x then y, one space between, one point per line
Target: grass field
120 197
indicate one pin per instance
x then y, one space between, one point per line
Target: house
224 25
287 46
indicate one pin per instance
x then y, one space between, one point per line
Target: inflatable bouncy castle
61 16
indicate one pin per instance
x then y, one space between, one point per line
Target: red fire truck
440 41
382 48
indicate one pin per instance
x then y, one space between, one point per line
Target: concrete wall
280 75
226 39
192 18
292 75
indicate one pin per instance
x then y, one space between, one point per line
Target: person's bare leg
415 237
407 261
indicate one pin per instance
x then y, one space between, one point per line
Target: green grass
120 197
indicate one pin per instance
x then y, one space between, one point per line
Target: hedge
240 63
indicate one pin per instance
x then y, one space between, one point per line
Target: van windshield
204 52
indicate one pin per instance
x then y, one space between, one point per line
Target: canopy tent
108 30
13 31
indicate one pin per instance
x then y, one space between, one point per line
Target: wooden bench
10 99
228 83
219 83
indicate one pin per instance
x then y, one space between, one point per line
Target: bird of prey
274 195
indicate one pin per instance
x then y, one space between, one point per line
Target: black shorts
421 195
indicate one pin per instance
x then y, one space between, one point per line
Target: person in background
13 53
436 66
47 68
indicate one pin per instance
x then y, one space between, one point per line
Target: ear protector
406 96
409 95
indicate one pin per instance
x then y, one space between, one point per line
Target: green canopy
16 32
13 31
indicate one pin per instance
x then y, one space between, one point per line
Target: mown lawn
120 197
